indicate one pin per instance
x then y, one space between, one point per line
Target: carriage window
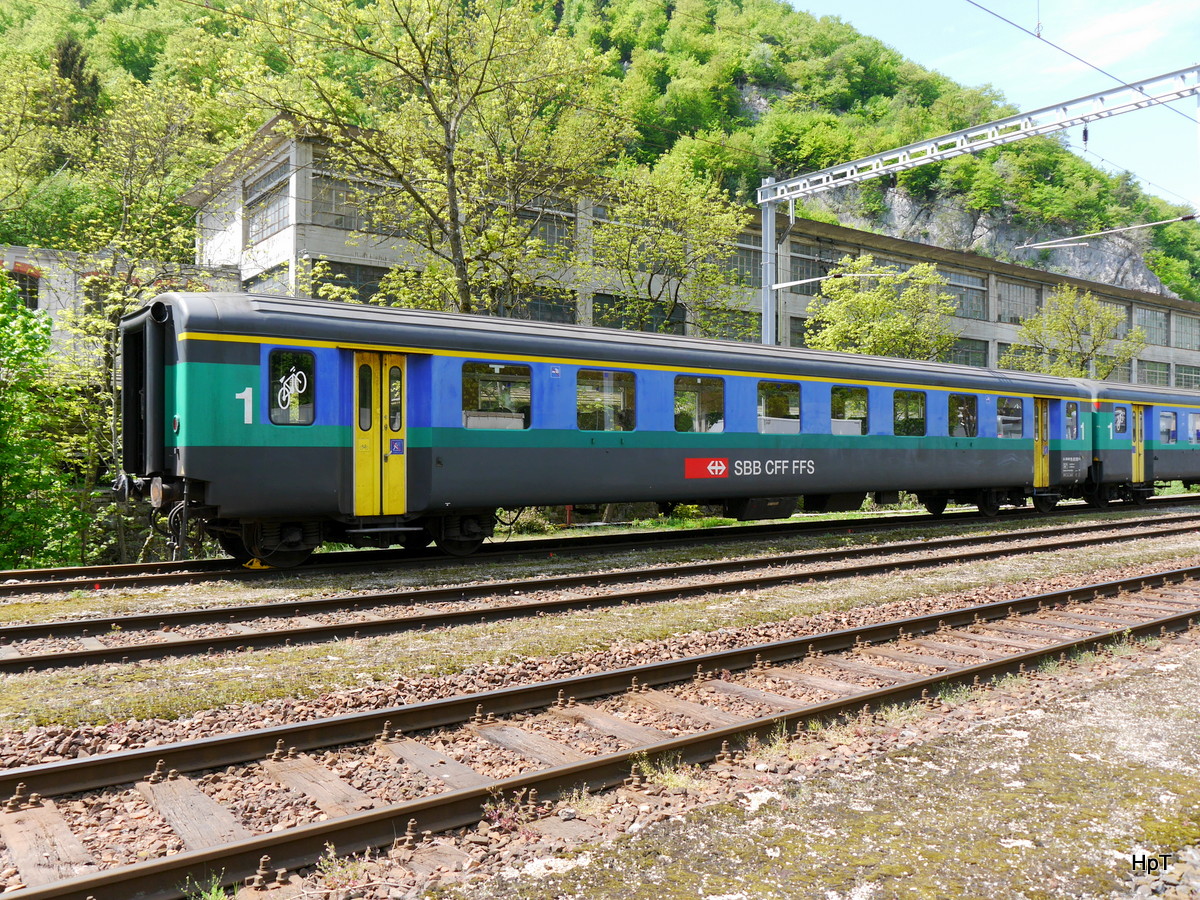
699 404
395 398
909 413
964 415
1010 417
292 387
848 408
1072 421
496 395
605 401
1194 428
778 407
1120 419
366 398
1167 428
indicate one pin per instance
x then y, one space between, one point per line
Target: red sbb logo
706 467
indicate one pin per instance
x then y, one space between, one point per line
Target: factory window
27 287
747 260
267 204
699 404
1072 421
964 415
1187 377
848 410
969 294
778 407
968 352
496 395
1010 417
293 387
1155 373
1187 332
605 401
1167 428
1153 323
908 408
1016 301
809 262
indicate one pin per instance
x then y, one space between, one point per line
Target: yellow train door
380 434
1139 444
1041 442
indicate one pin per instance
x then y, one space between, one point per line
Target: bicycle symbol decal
292 384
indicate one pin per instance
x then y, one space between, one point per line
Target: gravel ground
1079 781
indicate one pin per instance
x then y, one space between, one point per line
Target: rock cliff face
1117 259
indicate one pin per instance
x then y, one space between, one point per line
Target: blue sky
1134 41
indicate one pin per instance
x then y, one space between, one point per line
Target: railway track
550 737
128 638
29 581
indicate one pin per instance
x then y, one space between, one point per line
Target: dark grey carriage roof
289 318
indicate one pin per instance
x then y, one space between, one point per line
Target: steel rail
153 880
23 581
105 770
183 646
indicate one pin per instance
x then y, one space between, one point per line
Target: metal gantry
1104 104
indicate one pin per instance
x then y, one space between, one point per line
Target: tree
464 127
38 523
661 251
1074 335
889 312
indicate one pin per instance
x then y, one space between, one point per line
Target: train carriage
284 423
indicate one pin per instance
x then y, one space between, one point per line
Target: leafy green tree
38 516
661 248
1074 335
882 310
474 122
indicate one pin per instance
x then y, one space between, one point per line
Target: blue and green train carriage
281 424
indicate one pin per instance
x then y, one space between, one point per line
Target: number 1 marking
247 398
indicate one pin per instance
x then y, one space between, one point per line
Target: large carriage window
1168 428
496 395
848 410
293 387
778 407
1194 428
964 415
699 404
605 401
1010 417
909 413
1072 421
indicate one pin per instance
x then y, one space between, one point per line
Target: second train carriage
285 423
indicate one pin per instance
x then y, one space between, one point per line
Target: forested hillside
735 90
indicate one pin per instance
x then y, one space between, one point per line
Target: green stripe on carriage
212 405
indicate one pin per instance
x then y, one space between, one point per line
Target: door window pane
395 398
366 398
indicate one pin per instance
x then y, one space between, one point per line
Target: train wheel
989 503
234 546
459 546
935 506
1098 497
1044 503
1139 498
